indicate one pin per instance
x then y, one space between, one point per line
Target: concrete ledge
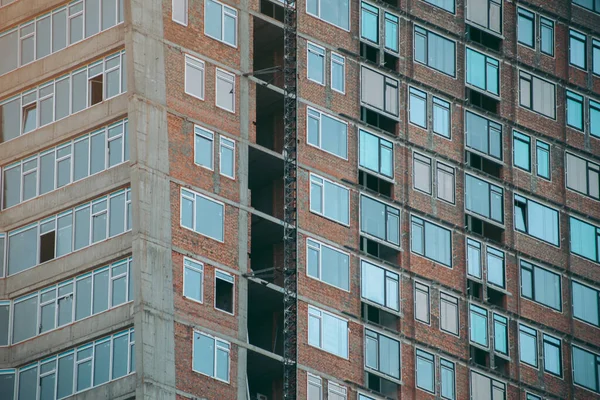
67 128
62 61
24 10
65 267
65 338
65 197
121 389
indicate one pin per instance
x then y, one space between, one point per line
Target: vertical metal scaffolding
290 235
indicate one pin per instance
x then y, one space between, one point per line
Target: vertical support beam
290 189
150 187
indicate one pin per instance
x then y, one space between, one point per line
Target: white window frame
226 77
227 274
207 135
184 4
225 142
319 246
191 62
316 50
196 266
318 313
341 61
386 273
231 12
193 229
215 359
320 133
327 22
323 198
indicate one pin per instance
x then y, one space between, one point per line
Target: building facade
448 199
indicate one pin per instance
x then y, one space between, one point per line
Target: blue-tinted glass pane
583 239
476 69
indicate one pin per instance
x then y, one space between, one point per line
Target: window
334 12
483 72
537 94
521 151
69 162
422 305
418 107
70 372
486 388
574 110
478 325
585 368
194 77
441 117
220 22
484 199
422 173
327 133
338 73
202 215
532 397
577 49
528 345
335 391
495 267
484 135
546 36
380 286
434 51
586 303
225 88
227 157
4 321
596 56
369 18
585 239
327 264
203 147
552 355
54 236
447 371
376 154
379 92
193 279
180 11
447 5
431 241
425 373
474 265
224 291
382 354
485 14
315 387
329 199
543 159
327 332
47 34
526 27
391 32
594 117
537 220
541 285
316 63
500 334
449 313
418 112
69 94
211 356
445 182
379 220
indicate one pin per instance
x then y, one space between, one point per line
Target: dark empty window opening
224 292
47 246
96 87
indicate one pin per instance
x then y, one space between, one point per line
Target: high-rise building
444 239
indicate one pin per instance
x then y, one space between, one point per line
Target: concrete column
153 274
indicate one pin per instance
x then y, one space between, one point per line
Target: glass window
380 286
447 371
376 154
484 135
333 12
391 32
447 5
418 107
574 110
194 77
335 391
486 388
484 198
445 182
577 49
25 325
329 199
225 97
595 56
203 215
327 133
474 258
435 51
594 110
536 220
486 14
193 279
315 387
526 27
227 157
585 239
4 323
369 19
220 22
537 94
500 334
528 345
552 355
441 117
316 63
338 73
521 151
546 36
585 368
483 72
431 241
541 285
422 173
379 91
478 322
448 313
180 11
382 354
203 147
543 159
327 332
495 267
422 304
586 303
425 372
327 264
379 220
211 356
